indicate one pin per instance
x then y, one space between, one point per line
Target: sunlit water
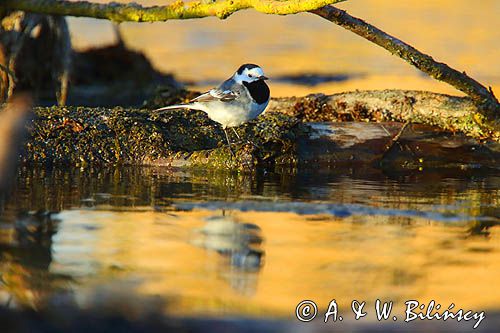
221 244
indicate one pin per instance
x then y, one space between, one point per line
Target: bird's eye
250 75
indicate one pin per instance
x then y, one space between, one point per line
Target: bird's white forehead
256 71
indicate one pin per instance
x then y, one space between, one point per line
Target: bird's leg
229 143
237 135
247 141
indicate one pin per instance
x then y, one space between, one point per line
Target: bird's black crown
246 66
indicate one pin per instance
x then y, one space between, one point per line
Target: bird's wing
226 92
217 94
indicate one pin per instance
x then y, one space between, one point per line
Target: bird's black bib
258 90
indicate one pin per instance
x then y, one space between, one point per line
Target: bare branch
178 10
483 98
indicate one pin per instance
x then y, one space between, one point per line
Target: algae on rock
81 135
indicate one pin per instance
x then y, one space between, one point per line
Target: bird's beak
262 77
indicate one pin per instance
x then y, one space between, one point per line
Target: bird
239 99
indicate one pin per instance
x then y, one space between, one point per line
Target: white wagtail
237 100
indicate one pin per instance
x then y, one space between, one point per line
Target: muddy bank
82 136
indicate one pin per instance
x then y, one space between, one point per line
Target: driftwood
393 145
388 145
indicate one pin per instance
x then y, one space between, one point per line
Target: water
224 245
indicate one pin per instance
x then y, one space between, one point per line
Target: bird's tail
174 107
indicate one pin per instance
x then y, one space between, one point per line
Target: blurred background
202 52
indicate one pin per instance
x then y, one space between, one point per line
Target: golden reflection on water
125 235
456 32
304 257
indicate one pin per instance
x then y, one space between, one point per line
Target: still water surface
220 244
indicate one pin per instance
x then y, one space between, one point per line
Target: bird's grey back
229 84
232 85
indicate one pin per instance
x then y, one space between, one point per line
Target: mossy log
83 136
292 132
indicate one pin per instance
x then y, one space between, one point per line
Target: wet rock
81 136
283 136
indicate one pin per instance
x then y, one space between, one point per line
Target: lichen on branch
134 12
